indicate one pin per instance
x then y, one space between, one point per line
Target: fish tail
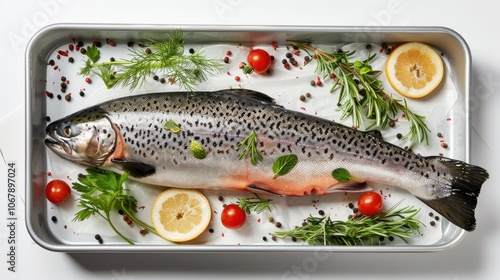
465 185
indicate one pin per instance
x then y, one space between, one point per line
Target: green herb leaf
341 175
172 126
250 144
101 193
197 150
256 203
164 57
284 164
364 230
93 53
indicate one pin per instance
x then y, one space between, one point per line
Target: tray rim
180 248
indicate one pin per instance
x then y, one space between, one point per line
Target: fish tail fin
465 185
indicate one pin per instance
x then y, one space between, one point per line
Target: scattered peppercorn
399 135
432 223
440 135
278 224
381 238
294 239
313 83
368 46
54 219
274 238
229 53
226 59
47 118
237 78
308 95
88 80
83 51
444 145
306 58
287 66
436 218
82 93
221 198
392 123
68 97
191 50
388 51
148 51
321 212
355 210
112 43
431 214
59 97
384 45
120 211
302 98
71 59
288 55
80 44
351 205
304 223
264 238
143 231
98 44
211 230
391 238
271 219
162 80
284 61
63 85
130 44
111 59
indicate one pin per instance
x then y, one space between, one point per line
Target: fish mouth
59 147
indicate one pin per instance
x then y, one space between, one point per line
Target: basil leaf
341 175
284 164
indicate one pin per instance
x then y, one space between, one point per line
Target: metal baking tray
453 120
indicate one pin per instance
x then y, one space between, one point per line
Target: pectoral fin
135 168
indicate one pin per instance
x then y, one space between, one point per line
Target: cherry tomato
57 191
259 60
233 216
370 203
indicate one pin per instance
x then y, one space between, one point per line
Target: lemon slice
414 69
180 215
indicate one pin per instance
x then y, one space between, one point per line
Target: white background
474 258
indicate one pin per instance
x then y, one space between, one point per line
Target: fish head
87 137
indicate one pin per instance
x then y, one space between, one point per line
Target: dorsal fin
256 95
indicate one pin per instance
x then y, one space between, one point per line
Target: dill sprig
103 192
360 92
362 230
255 203
250 145
164 57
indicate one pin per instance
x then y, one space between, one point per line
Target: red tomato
370 203
259 60
233 216
57 191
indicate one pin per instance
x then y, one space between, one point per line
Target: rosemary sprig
103 192
167 58
357 231
255 203
361 92
250 144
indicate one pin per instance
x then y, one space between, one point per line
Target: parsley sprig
364 230
165 57
102 193
360 92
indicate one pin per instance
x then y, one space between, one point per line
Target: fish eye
68 130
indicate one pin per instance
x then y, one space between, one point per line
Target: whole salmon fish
151 137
